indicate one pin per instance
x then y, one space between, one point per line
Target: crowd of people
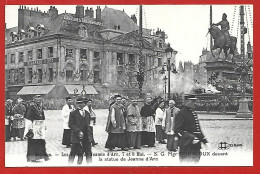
14 119
128 126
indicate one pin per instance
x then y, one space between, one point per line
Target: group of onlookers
15 122
130 127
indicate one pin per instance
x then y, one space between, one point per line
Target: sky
185 25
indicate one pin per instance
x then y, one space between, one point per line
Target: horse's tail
233 45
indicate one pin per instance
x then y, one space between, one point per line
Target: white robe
65 112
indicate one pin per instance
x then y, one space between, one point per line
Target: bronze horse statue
220 42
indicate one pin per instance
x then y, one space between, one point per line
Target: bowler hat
79 100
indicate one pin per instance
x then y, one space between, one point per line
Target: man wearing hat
36 148
8 114
133 125
148 125
168 125
81 138
89 109
19 121
188 129
65 112
116 126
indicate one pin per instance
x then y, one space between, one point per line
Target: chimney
91 13
98 14
53 12
133 17
87 12
79 11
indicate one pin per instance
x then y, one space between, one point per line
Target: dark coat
187 127
119 118
35 113
79 123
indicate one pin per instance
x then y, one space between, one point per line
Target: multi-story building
57 54
200 72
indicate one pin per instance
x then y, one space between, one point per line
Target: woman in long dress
36 145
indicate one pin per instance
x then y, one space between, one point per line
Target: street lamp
169 54
165 82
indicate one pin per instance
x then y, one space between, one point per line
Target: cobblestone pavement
238 133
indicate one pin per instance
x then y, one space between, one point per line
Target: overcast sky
185 25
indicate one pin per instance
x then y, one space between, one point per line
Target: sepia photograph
128 85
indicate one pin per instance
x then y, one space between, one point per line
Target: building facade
66 53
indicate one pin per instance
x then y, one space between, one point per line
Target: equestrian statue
222 39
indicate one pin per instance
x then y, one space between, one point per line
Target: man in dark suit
188 129
81 138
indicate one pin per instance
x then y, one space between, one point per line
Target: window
12 58
120 58
21 56
12 76
83 74
30 75
159 61
69 52
152 61
7 77
83 31
50 51
50 75
96 77
83 54
39 75
39 54
160 44
30 56
69 74
21 75
5 59
96 55
131 59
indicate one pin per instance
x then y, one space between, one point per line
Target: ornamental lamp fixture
169 51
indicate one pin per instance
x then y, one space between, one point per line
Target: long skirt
36 150
66 137
172 145
134 139
148 138
17 132
7 133
116 140
159 133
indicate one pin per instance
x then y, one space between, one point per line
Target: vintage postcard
128 85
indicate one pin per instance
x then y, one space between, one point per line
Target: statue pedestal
243 111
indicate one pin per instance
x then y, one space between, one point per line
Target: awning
77 89
33 90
